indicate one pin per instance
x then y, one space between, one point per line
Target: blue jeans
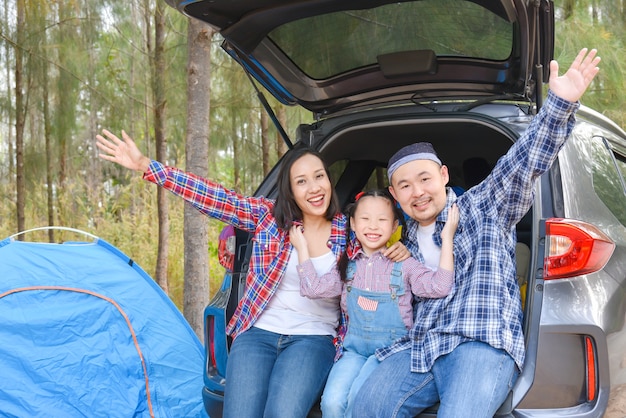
374 323
472 381
344 381
273 375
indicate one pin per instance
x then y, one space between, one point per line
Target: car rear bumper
212 402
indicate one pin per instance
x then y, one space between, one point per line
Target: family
379 331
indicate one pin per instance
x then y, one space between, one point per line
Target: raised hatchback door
330 55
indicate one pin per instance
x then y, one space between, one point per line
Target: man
465 351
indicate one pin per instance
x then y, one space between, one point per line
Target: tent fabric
85 332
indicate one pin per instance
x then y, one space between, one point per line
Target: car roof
330 55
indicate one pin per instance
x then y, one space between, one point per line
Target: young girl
376 293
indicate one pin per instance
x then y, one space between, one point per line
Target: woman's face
310 186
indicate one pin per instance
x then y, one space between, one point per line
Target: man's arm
508 191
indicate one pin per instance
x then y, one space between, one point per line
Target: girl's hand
397 252
449 229
125 152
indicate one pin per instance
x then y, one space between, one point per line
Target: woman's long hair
286 211
342 265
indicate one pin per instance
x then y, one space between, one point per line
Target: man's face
420 188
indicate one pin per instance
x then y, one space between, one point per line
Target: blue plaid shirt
484 304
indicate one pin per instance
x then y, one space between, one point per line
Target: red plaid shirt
271 247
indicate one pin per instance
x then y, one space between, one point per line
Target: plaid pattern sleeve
210 197
510 187
484 304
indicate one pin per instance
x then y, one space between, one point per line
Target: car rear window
327 45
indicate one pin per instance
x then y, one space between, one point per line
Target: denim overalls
374 322
374 317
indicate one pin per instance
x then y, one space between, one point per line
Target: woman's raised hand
124 152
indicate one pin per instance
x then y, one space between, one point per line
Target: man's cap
416 151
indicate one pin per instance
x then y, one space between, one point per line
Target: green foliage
123 215
607 35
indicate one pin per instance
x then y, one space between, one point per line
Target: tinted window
326 45
378 179
607 180
336 170
621 164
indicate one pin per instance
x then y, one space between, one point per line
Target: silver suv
468 77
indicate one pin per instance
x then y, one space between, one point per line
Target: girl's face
373 223
310 186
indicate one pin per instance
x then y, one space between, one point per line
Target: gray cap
416 151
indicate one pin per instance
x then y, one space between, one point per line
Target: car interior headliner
454 142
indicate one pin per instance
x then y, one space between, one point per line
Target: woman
283 343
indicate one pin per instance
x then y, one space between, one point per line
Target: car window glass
607 180
330 44
378 179
621 164
336 170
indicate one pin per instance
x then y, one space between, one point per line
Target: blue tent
85 332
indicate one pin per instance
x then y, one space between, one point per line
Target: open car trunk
357 151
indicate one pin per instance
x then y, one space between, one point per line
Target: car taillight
575 248
591 370
226 247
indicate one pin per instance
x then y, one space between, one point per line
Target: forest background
73 67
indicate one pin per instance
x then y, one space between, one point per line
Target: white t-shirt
428 248
288 313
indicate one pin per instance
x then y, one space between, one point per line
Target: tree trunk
19 118
9 94
281 147
48 146
265 141
594 12
196 230
158 89
236 155
568 9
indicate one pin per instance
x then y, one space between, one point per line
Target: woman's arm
210 198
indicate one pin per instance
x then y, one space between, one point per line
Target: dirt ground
617 398
617 403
